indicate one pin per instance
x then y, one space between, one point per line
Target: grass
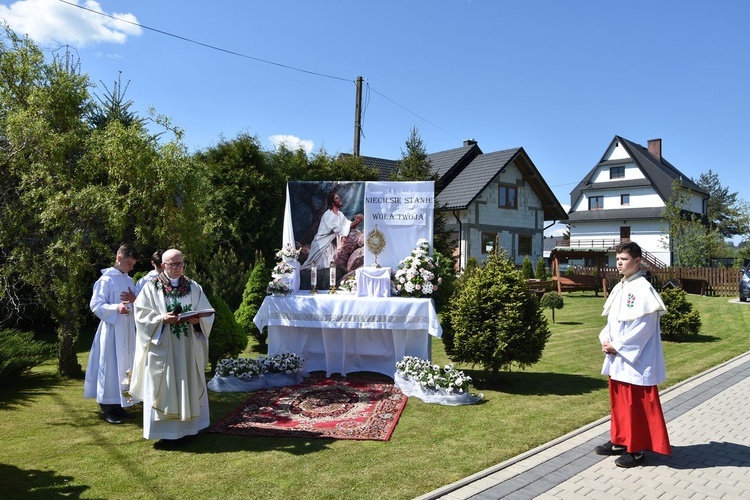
54 444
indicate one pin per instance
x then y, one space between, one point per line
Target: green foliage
252 298
691 242
73 192
447 284
728 215
494 320
680 320
552 300
227 339
527 270
19 352
540 272
226 276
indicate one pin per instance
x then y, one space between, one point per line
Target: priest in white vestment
171 354
111 355
333 227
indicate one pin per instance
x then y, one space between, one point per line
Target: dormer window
596 203
617 172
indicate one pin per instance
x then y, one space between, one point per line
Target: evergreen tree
252 298
540 272
727 214
494 320
527 270
228 339
552 300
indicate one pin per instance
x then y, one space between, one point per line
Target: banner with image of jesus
329 222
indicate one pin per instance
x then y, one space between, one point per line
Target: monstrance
375 243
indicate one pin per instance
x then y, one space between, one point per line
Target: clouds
53 20
291 142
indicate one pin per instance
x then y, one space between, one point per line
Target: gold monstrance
375 243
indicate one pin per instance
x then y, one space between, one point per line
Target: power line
413 113
245 56
213 47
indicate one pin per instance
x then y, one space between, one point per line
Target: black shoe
630 460
610 449
122 413
111 417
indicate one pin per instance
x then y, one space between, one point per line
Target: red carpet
359 406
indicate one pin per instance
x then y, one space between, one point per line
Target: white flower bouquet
287 252
415 276
433 377
247 368
278 287
282 268
349 284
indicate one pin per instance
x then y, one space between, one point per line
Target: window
524 244
507 196
596 202
488 242
616 172
624 199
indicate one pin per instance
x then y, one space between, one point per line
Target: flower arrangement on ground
415 276
247 368
278 287
287 252
433 377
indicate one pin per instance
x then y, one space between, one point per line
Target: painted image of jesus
333 230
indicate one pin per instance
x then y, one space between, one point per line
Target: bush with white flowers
415 276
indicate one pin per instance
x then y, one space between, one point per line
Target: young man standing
111 356
634 362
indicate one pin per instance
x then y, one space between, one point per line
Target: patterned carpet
358 406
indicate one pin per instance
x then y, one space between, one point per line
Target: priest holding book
171 354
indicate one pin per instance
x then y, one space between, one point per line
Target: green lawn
54 444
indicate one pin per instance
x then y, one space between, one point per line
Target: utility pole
358 116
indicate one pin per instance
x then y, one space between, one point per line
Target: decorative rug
358 406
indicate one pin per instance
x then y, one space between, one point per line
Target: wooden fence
711 281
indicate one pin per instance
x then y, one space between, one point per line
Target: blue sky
558 78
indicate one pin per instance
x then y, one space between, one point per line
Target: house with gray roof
487 198
623 197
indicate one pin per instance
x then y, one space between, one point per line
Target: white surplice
113 348
170 364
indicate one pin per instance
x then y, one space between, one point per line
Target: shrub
252 298
540 272
227 338
225 275
681 319
447 283
494 320
19 352
527 270
552 300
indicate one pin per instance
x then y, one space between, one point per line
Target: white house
491 196
623 198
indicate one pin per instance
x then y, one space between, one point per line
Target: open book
196 314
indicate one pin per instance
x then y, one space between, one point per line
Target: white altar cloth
342 333
373 281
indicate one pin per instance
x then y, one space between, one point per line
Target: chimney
469 142
654 147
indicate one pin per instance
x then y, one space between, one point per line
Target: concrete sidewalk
707 419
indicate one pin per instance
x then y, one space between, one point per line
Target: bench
539 287
578 282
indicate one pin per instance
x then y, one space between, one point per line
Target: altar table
342 333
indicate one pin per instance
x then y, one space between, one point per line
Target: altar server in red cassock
634 362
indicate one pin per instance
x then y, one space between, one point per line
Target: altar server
634 362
